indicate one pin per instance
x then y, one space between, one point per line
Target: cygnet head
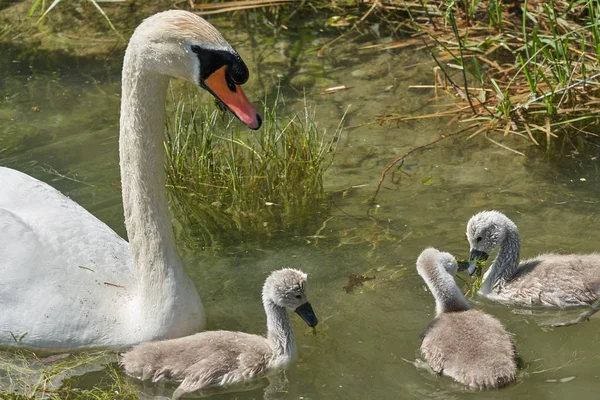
485 231
432 258
437 269
287 288
182 45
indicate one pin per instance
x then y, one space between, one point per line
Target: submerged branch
402 157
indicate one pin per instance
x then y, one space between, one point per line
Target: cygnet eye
298 296
479 239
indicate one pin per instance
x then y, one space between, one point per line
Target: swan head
431 260
485 231
182 45
287 288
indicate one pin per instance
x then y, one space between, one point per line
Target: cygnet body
549 280
224 358
469 346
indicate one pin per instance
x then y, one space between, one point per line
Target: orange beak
235 101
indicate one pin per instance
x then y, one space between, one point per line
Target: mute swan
550 280
470 346
223 358
66 279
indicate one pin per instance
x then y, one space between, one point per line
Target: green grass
230 183
535 65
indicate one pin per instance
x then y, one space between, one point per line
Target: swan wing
62 271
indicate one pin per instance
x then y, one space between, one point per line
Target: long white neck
161 280
448 297
279 330
506 263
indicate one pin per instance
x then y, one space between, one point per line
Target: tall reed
537 59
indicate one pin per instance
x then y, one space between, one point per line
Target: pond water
59 123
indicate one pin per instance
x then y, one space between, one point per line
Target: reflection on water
62 127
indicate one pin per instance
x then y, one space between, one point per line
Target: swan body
66 279
470 346
222 358
549 280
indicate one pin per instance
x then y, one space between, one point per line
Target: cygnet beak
305 311
476 256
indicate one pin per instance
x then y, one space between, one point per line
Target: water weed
231 183
25 375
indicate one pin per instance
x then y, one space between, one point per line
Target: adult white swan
66 279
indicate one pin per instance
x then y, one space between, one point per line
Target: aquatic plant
230 183
25 375
529 68
475 285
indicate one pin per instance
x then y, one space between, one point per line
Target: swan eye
478 239
196 49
